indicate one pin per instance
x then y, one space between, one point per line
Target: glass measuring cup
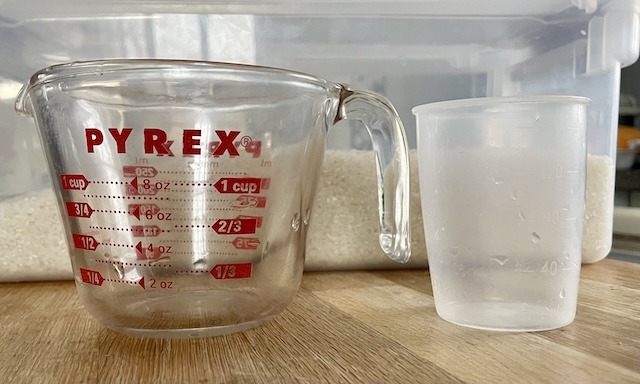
187 187
502 184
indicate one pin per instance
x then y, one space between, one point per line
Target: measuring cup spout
392 166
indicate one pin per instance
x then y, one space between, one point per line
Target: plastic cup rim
499 100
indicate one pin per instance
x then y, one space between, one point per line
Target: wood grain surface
343 327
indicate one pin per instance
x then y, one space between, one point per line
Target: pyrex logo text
155 141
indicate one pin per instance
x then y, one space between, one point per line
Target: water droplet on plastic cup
500 259
200 264
119 268
498 180
521 216
562 293
265 250
295 221
514 194
537 118
307 217
535 237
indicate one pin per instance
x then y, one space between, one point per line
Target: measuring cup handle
392 165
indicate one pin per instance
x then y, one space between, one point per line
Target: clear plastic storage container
413 51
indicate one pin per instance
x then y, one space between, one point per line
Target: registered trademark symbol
246 141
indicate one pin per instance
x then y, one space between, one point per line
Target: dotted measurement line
188 228
110 228
192 200
108 182
110 211
128 182
113 211
192 184
208 241
198 173
191 272
183 190
119 229
212 252
122 281
118 245
196 208
128 264
177 218
225 253
127 197
190 219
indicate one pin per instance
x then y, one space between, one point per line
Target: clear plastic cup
502 184
186 188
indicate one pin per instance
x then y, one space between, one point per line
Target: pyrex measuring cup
502 183
187 186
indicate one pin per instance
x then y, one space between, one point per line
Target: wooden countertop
343 327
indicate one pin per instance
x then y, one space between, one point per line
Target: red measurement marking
232 271
73 182
134 210
87 242
258 219
91 277
162 284
247 201
139 171
145 187
265 184
238 185
145 230
139 191
78 209
235 226
246 242
142 209
151 251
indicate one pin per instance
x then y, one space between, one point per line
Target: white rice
598 225
32 245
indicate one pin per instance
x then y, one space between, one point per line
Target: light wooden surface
343 327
